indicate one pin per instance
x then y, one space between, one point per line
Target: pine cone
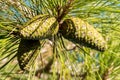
78 31
27 52
40 27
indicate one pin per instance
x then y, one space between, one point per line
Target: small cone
27 51
40 27
78 31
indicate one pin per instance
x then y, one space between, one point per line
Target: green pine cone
40 27
27 52
78 31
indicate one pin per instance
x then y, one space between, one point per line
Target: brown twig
107 73
46 69
64 10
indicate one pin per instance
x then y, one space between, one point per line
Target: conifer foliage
27 26
36 26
